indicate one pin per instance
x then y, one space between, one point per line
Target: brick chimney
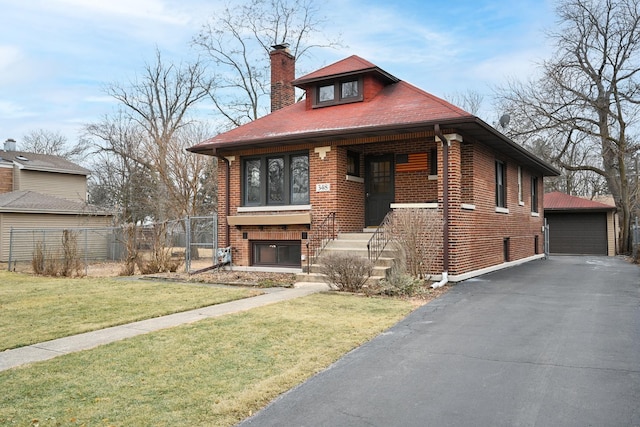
283 72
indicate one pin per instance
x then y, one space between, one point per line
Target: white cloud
10 110
146 10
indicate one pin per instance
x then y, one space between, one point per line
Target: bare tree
159 102
588 94
470 101
120 180
45 141
238 42
191 179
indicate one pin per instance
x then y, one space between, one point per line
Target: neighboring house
579 226
42 191
363 143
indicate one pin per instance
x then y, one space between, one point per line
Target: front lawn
35 309
215 372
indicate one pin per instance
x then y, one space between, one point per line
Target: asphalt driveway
547 343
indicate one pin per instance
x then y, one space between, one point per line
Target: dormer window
349 89
338 92
326 93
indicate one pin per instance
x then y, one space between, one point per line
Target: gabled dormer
351 80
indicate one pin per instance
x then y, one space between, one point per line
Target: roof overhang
378 72
471 128
580 210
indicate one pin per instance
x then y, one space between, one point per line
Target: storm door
379 186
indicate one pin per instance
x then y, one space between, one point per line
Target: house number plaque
322 188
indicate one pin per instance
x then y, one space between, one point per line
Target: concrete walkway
50 349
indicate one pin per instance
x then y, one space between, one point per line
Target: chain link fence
192 242
635 240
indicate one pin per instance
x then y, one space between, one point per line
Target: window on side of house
534 194
501 184
433 161
353 163
520 198
276 180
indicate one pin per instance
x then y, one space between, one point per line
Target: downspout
227 210
445 207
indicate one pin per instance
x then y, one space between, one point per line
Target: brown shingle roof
561 201
32 202
42 162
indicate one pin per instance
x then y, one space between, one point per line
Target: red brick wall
372 87
477 235
350 206
6 180
283 72
415 186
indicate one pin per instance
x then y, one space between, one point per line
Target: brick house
362 143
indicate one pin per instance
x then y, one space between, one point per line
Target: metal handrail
379 240
323 234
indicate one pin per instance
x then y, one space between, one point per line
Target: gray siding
49 228
66 186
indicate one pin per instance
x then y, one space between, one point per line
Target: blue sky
56 56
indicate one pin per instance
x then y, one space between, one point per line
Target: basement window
277 254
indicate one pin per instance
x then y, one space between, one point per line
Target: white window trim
414 205
355 179
468 207
273 208
502 210
535 214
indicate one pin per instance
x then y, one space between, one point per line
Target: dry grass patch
213 372
36 309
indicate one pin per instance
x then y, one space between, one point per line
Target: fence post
10 246
214 225
546 239
86 252
187 249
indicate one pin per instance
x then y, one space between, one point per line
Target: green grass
215 372
36 309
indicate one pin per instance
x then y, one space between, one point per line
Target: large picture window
276 180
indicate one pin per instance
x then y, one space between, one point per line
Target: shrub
346 272
131 247
71 259
161 260
37 260
398 283
417 233
65 262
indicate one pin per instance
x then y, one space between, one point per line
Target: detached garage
579 226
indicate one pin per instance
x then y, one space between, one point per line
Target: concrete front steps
353 244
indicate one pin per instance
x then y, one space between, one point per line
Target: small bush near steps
346 272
